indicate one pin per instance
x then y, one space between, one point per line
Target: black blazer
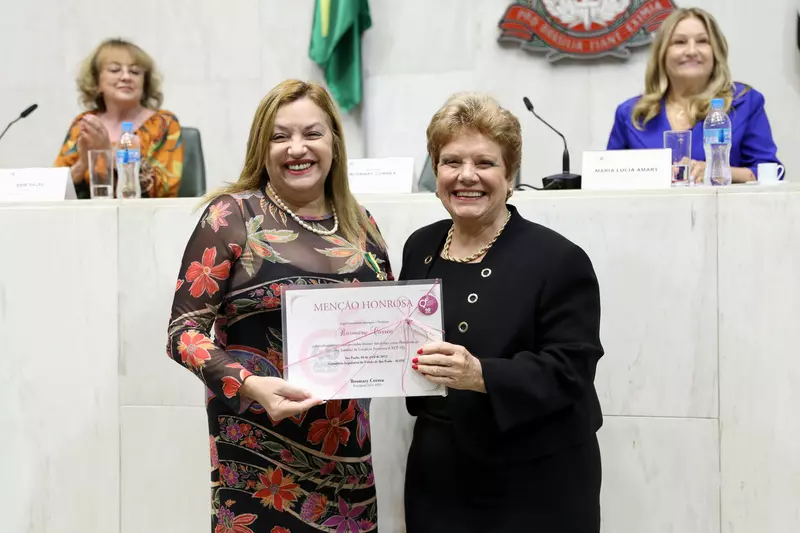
533 316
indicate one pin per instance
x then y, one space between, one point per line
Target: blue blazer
752 137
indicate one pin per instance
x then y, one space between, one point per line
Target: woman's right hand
93 136
280 398
94 133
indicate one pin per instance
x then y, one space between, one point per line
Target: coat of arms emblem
583 28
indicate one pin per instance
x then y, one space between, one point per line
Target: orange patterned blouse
162 154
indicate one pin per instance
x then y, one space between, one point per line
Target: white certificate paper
358 340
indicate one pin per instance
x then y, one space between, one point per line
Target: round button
428 259
472 298
463 327
486 272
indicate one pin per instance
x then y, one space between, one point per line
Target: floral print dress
162 155
308 473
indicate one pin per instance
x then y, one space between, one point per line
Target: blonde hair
476 113
353 220
89 75
656 82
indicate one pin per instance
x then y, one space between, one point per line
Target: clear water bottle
128 159
717 144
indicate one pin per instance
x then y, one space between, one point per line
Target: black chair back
193 180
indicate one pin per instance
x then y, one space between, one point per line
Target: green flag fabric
336 46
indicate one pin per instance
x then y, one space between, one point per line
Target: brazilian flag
336 46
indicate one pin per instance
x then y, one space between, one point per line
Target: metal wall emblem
584 29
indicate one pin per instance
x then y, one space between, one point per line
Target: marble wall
103 432
759 299
59 408
164 458
218 62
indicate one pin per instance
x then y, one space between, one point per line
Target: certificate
358 340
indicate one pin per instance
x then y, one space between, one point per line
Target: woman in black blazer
513 446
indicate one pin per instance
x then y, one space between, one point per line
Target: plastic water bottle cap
717 103
127 126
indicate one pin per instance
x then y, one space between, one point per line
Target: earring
509 193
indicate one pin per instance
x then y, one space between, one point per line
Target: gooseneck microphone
22 115
565 180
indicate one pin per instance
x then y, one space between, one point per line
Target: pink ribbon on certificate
407 323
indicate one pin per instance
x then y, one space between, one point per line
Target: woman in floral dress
282 461
119 83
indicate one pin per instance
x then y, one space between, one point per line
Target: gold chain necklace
473 257
302 222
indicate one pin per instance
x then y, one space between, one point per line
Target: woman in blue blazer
688 66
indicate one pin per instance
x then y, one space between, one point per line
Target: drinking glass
101 174
680 142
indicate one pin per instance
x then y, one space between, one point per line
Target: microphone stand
565 179
22 115
9 125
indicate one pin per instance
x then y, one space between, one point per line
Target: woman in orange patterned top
119 83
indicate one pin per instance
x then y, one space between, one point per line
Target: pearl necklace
473 257
302 222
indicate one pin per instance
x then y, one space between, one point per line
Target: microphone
564 180
22 115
